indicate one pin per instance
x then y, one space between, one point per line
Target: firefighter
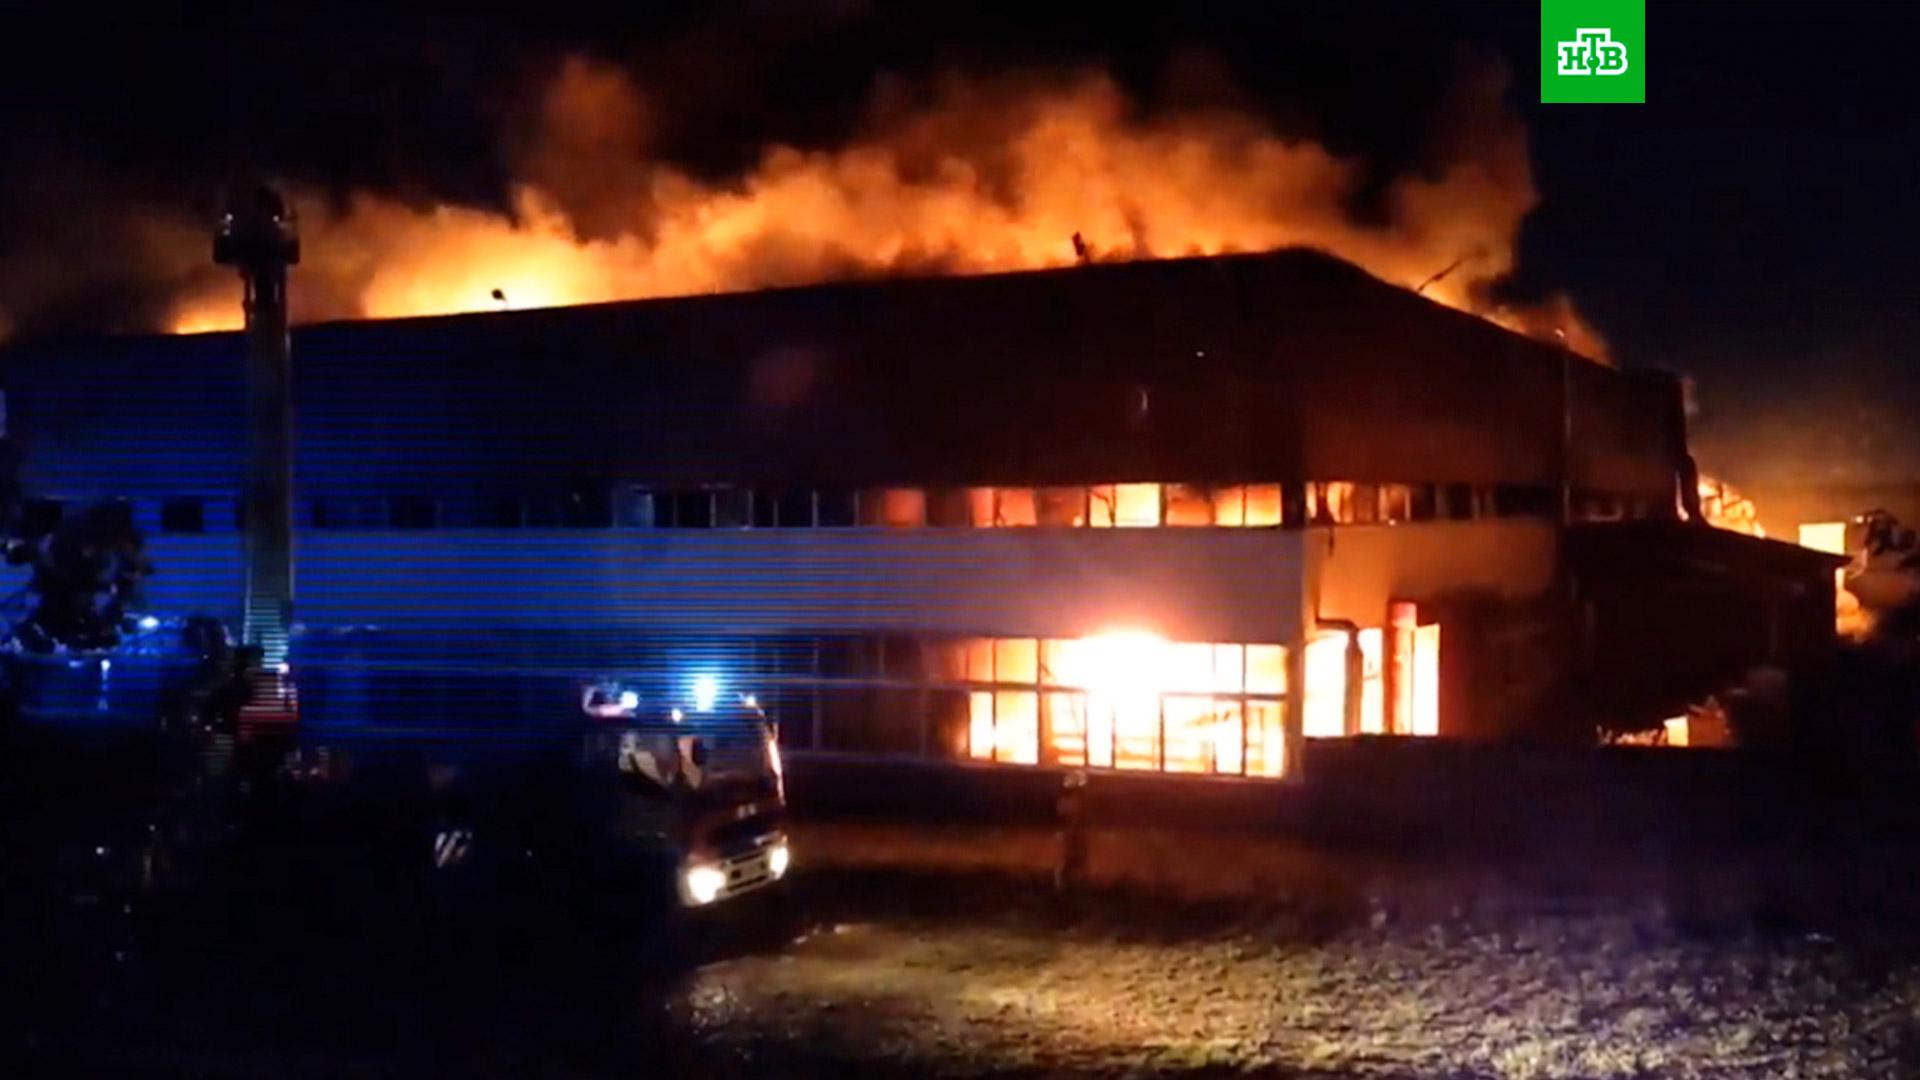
1069 870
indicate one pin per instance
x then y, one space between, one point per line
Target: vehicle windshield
708 753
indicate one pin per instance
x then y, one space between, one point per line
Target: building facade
1176 515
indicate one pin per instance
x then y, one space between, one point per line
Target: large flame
1724 507
989 178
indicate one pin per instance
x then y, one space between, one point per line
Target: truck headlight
778 858
703 883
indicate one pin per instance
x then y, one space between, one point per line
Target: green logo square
1593 51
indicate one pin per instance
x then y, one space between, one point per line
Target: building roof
1290 364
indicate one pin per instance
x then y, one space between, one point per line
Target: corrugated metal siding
1196 585
1270 367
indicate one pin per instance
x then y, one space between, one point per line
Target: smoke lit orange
990 179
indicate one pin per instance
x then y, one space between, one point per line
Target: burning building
1177 515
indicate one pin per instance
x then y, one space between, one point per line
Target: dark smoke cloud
118 137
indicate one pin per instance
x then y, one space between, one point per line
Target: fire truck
620 802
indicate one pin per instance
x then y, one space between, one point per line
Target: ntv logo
1592 52
1583 38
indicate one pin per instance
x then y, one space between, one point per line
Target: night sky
1751 225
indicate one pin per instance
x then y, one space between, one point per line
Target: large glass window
1128 700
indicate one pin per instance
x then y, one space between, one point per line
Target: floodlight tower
258 237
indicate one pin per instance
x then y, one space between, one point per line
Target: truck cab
698 777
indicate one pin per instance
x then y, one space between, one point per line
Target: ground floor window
1128 701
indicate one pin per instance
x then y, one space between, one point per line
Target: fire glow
990 177
1131 699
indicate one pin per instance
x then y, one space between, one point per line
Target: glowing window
1324 712
1016 727
1426 680
1100 506
1827 536
1229 737
980 724
1230 506
1189 726
1266 739
1228 668
1396 502
1066 716
1136 731
1136 505
1056 660
1013 507
1188 667
980 506
1321 503
1099 732
1263 505
898 507
1016 660
1124 699
980 660
949 507
1363 504
1061 506
1266 669
1373 708
1189 505
946 660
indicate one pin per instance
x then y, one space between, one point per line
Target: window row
1123 700
1139 505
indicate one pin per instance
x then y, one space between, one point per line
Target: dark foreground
896 976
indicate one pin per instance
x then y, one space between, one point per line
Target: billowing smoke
972 176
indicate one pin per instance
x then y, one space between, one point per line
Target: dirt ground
1013 992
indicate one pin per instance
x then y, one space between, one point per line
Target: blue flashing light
149 623
706 690
629 700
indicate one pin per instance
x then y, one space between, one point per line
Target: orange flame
1723 507
991 178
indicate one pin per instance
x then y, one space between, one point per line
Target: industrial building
1178 515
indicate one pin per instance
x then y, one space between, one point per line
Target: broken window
1263 506
185 515
1363 504
1100 506
1014 507
949 508
794 509
633 507
1189 505
1061 506
835 509
1421 504
691 510
1396 503
732 508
